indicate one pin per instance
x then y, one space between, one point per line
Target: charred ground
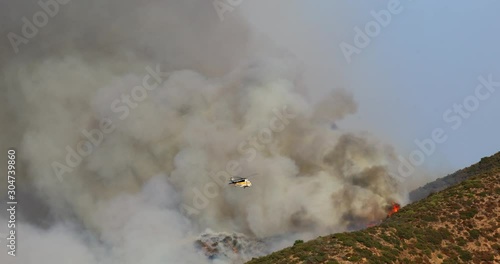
460 224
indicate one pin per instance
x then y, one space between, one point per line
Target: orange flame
394 209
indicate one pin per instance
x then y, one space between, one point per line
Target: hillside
460 224
452 179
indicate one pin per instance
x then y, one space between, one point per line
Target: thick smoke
216 98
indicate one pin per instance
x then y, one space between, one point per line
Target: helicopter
240 182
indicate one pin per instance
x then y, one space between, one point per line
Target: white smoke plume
139 195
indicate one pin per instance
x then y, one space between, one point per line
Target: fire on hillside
238 248
391 210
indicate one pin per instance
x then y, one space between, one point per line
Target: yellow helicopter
240 182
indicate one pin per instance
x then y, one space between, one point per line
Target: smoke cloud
139 157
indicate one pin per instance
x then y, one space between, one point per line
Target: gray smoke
157 178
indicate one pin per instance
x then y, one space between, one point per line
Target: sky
407 80
429 57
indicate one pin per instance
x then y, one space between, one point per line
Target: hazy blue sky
427 59
430 57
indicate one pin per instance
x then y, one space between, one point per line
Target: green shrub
469 213
461 241
298 242
465 255
474 233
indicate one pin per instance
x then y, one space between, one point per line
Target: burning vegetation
390 209
239 248
456 225
393 209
